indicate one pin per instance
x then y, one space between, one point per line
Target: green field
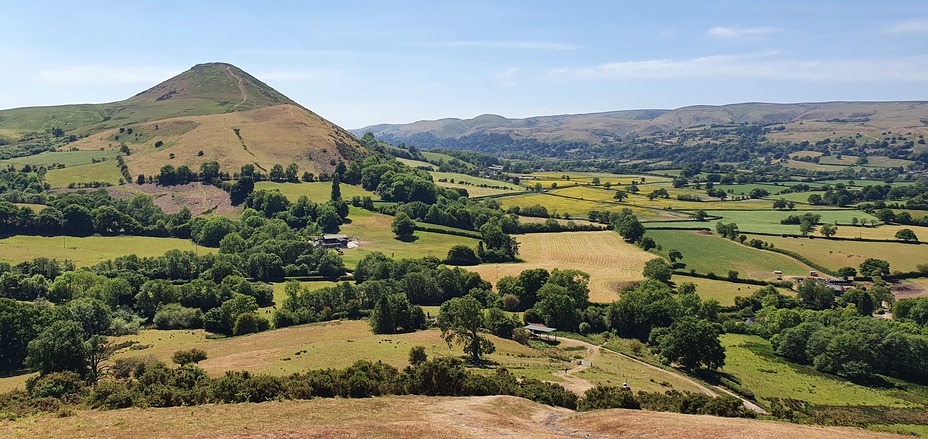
711 253
318 191
90 250
768 221
472 184
67 158
837 254
751 361
437 157
374 232
416 163
106 172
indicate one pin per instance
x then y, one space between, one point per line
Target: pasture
768 221
318 191
714 254
374 232
837 254
438 157
91 250
752 362
104 172
608 259
475 186
66 158
416 163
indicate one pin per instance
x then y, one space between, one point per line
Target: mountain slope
213 111
598 128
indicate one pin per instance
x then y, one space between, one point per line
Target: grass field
106 172
90 250
35 207
318 191
768 221
751 360
581 208
837 254
472 184
67 158
280 295
374 232
885 231
712 253
439 157
416 163
723 291
608 259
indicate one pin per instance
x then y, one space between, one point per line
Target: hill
801 120
213 111
405 416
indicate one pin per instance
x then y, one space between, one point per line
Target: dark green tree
690 342
460 320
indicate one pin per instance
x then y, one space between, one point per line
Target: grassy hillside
90 250
211 112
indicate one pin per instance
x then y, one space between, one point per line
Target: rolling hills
213 111
805 121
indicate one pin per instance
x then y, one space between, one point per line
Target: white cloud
98 74
759 66
910 27
534 45
736 32
508 77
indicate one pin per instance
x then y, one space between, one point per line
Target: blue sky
360 63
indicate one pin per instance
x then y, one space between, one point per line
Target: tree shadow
412 238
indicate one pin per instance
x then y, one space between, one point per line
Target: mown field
91 250
318 191
608 259
374 232
837 254
751 360
105 172
711 253
416 163
472 184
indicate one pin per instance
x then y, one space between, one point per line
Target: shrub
175 316
521 335
462 255
189 356
417 355
249 323
608 397
510 302
56 385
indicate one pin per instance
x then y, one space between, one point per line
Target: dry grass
608 259
278 134
837 254
407 417
723 291
201 199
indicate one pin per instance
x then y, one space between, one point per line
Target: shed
538 330
331 241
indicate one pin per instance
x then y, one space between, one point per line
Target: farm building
538 330
331 241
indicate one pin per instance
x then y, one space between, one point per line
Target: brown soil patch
202 199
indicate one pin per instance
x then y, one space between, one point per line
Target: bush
521 336
608 397
417 355
249 323
189 356
462 255
175 316
510 302
56 385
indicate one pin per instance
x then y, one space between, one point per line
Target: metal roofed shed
538 330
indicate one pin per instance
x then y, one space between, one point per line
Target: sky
359 63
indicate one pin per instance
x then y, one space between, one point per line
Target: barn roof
535 327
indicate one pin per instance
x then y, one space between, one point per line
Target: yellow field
608 259
318 191
91 250
837 254
473 184
723 291
106 172
880 232
582 208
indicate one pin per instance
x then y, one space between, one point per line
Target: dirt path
240 83
574 383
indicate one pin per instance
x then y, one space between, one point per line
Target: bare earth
406 417
200 198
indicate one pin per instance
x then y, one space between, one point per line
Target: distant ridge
600 128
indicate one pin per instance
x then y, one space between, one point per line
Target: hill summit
214 111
